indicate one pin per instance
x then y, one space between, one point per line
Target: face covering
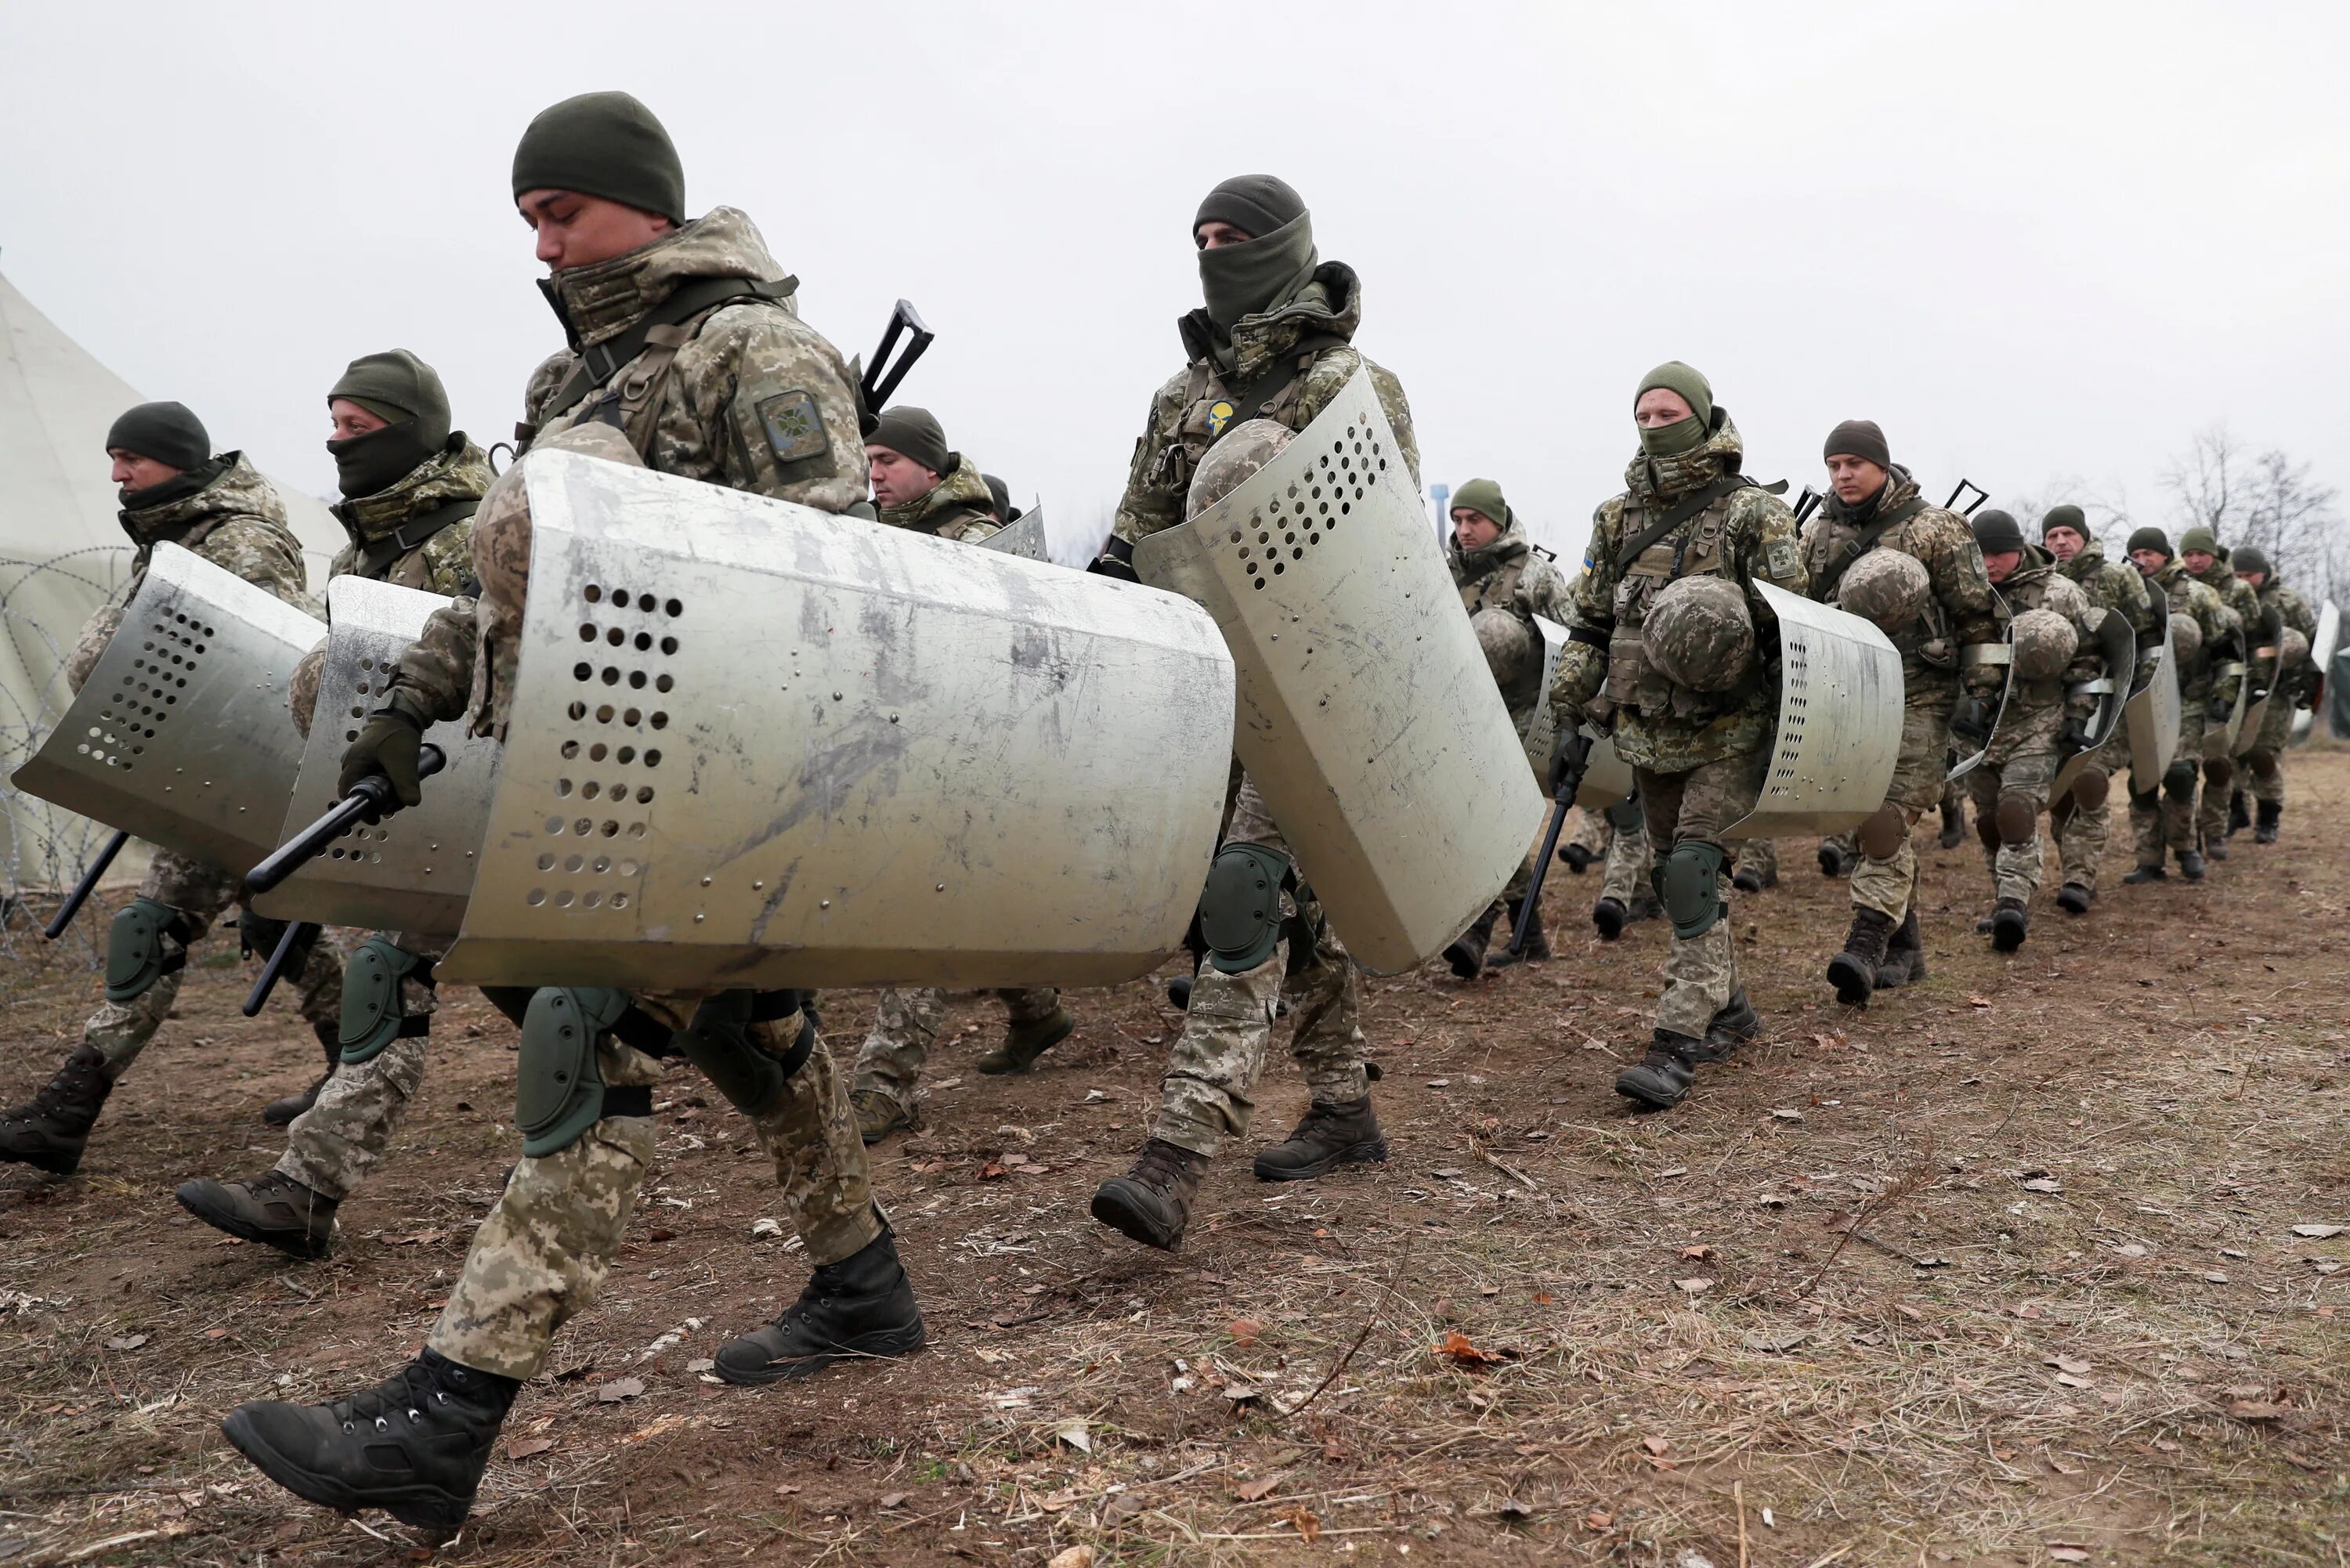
1254 276
1672 440
379 459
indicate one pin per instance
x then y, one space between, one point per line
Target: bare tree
2267 500
2105 505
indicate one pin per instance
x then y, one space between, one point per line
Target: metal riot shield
2219 739
1839 733
2118 640
2154 709
1368 714
1962 766
1606 777
2321 653
1024 538
750 746
415 870
2262 669
180 735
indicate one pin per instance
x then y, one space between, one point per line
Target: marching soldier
410 486
922 485
689 356
2205 633
1953 659
2294 681
2200 553
2082 820
1272 342
1665 653
173 490
1628 883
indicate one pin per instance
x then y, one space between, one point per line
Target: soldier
173 490
1504 583
2204 631
1953 663
1273 339
410 486
2293 684
922 485
1757 866
2082 820
1666 652
689 353
999 495
2046 719
2200 553
1627 890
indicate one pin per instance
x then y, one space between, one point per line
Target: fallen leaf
1775 1341
619 1388
1055 1502
1543 1298
1308 1527
126 1342
1073 1432
1118 1507
662 1233
1597 1521
699 1364
1978 1002
2216 1277
1514 1511
1256 1490
1245 1331
1784 1114
760 1229
1693 1287
523 1448
1655 1445
2258 1410
1701 1251
892 1499
2069 1381
2319 1232
1676 1170
1240 1392
2067 1554
2044 1184
216 1334
1456 1349
1075 1557
2070 1363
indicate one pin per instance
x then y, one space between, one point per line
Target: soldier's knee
2091 789
1625 816
1240 913
2263 762
2178 780
1987 827
2218 771
559 1090
148 941
720 1041
1690 887
1881 834
2019 819
371 1016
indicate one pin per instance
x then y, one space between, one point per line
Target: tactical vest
1696 548
376 556
1497 589
1928 639
1210 408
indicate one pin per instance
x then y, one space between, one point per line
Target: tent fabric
62 554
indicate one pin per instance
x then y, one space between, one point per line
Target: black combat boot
1178 992
1537 948
2239 816
274 1209
1467 952
1023 1042
1576 858
1736 1024
1152 1202
2010 921
1608 917
1746 879
1661 1079
1904 955
1954 824
862 1306
1854 971
1325 1138
2272 812
48 1130
2140 875
2073 898
414 1446
2190 866
1646 905
279 1113
1835 863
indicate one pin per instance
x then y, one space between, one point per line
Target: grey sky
2029 238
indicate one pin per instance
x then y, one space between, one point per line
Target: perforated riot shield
1368 714
2154 710
2219 739
1839 732
751 745
1962 766
415 870
1024 538
180 735
2261 676
1606 777
2321 653
2118 640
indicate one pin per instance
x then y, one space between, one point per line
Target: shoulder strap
383 551
1249 400
1680 512
599 362
1862 541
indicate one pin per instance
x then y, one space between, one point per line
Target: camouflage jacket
418 531
2038 583
237 522
2119 586
2234 592
2293 611
956 508
1509 573
1963 611
1752 537
2217 624
1194 408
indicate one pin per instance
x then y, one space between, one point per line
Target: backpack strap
1861 543
1680 512
599 362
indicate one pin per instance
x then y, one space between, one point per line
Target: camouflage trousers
200 894
2083 831
2010 789
332 1147
2221 777
1203 1099
1590 831
1631 854
1920 770
540 1256
906 1024
2159 819
1759 858
2265 760
1700 971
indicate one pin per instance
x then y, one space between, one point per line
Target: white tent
62 554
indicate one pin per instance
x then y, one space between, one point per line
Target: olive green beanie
603 144
2150 538
1485 497
396 385
1694 389
2065 516
2198 538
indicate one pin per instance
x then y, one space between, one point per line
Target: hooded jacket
1963 611
417 532
957 508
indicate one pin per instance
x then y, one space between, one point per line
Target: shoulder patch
1782 558
795 428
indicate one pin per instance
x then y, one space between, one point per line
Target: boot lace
1160 1166
409 1392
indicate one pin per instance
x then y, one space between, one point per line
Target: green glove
388 745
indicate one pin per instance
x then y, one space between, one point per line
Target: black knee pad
372 1017
2018 818
2091 788
1625 816
1690 887
2178 779
1987 829
2263 763
1881 833
2218 771
719 1042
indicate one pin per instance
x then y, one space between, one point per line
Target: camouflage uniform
738 393
1962 613
2010 787
2219 773
2266 759
1213 1064
1699 757
956 507
2081 832
1508 574
1631 858
2163 815
1758 858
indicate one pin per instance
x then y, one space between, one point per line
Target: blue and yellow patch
1220 414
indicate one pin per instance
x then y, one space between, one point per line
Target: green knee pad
558 1088
1240 909
1690 888
372 1018
1625 816
135 955
719 1042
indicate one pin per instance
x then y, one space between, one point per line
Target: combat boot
2010 921
1736 1024
1746 879
48 1130
1854 971
2140 875
1578 860
862 1306
414 1446
1023 1042
1178 992
1905 956
274 1209
279 1113
2190 866
1661 1079
2272 812
1646 905
2073 898
1328 1137
1954 825
1466 952
879 1114
1835 863
2239 818
1152 1202
1537 947
1608 917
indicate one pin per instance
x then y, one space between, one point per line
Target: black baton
293 950
83 888
369 801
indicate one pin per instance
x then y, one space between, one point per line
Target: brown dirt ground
2077 1323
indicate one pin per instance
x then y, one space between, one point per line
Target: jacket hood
1331 302
2086 562
1664 477
606 300
240 491
2037 563
964 489
459 471
1468 566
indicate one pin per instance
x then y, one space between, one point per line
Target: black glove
1108 566
1570 755
2217 711
1971 721
2074 737
387 746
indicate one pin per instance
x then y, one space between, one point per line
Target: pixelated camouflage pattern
2037 584
1176 434
821 1167
441 565
2234 592
906 1023
2276 728
332 1147
2159 820
2115 585
1758 527
956 508
1627 861
1700 972
2197 681
1887 883
1944 542
2020 764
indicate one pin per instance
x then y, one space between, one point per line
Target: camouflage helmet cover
1510 650
1888 587
2186 634
2291 647
2045 644
1234 461
1699 634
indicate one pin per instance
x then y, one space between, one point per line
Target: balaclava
406 393
1682 435
1273 264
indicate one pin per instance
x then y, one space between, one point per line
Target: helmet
1885 586
1699 634
2292 648
2045 644
1231 462
1511 650
2186 636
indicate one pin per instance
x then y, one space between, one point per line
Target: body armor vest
1697 548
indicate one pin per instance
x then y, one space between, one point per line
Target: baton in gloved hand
1570 755
83 888
370 800
293 951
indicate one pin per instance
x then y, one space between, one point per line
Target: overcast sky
2029 238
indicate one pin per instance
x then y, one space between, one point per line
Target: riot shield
2154 711
1024 538
1368 714
2219 739
1542 729
1962 766
2260 677
751 747
2120 641
1608 778
1839 730
415 870
180 735
2320 654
